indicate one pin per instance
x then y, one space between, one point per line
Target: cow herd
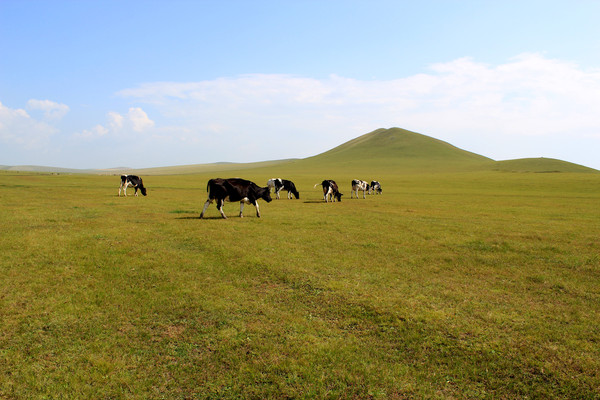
247 192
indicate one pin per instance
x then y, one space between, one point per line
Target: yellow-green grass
476 284
540 165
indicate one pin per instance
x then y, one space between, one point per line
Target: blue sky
101 84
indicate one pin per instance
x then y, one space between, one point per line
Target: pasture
448 285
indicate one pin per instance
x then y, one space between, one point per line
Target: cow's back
235 189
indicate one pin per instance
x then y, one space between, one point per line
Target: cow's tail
209 183
314 187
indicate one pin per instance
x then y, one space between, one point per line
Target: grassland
461 281
449 285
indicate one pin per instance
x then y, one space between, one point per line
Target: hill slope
540 165
391 150
400 148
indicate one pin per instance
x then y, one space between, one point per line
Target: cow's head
265 194
338 196
143 190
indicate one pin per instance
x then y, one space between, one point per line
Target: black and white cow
330 190
235 189
375 187
284 184
131 180
271 183
357 185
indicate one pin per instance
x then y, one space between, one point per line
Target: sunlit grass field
448 285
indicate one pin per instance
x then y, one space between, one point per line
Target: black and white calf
131 180
357 185
330 190
283 184
375 187
235 189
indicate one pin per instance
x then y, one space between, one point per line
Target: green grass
540 165
449 285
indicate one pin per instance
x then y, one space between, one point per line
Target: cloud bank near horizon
530 103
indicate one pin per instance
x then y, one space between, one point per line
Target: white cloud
461 100
530 103
52 110
115 120
95 132
139 119
17 127
135 121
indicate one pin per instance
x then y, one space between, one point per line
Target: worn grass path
465 285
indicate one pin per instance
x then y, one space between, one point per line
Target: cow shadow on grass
313 201
212 217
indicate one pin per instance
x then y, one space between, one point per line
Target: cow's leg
257 209
205 207
136 189
277 193
220 207
242 209
120 187
364 194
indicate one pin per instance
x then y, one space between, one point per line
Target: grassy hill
208 168
385 151
541 165
401 148
381 151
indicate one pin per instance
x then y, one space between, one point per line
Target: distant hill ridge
396 142
392 148
407 150
400 148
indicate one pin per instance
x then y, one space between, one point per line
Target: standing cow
375 187
330 190
284 184
131 180
357 185
235 189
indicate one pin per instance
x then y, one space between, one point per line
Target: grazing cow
376 187
235 189
271 183
330 190
131 180
357 185
284 184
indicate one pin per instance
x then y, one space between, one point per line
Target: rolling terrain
391 148
462 280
